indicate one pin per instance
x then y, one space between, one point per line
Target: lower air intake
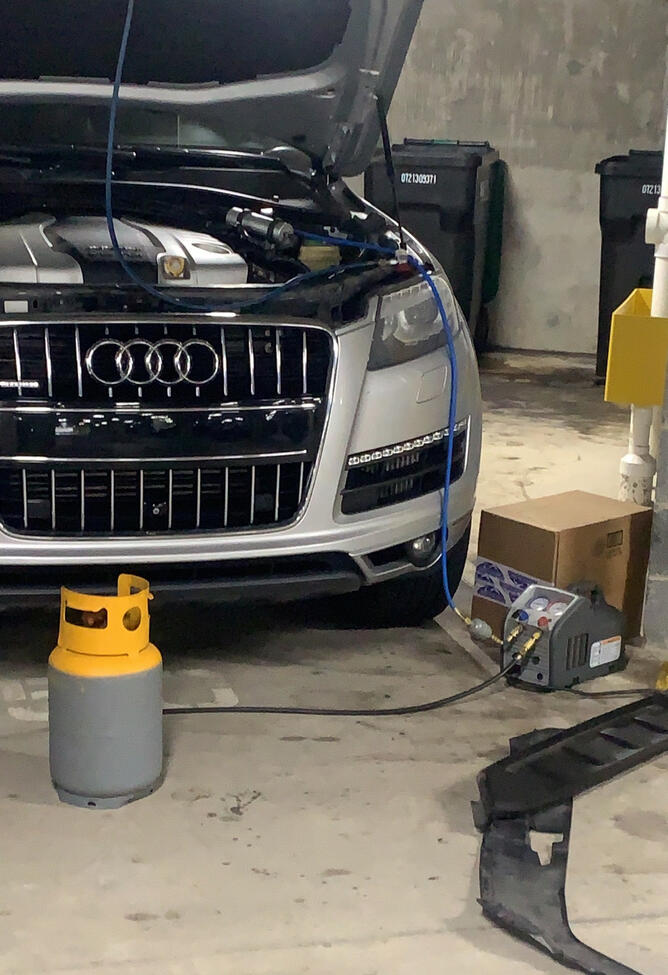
403 476
155 500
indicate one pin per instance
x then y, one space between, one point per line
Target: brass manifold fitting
523 652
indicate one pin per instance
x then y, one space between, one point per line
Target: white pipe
655 432
660 299
657 233
660 287
638 467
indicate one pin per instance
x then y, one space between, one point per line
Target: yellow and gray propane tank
105 699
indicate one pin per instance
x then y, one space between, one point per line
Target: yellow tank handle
105 635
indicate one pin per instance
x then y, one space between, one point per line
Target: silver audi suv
243 395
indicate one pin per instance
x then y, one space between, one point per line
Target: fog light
421 550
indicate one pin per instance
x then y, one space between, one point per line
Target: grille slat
251 361
141 501
17 364
148 500
77 344
7 362
252 496
53 500
170 502
304 365
226 519
279 355
48 363
223 350
277 503
82 496
24 488
198 503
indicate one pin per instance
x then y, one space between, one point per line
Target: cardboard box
561 540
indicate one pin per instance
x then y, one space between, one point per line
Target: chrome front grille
159 363
119 501
120 426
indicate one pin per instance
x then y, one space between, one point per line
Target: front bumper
368 410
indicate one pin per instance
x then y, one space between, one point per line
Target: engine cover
39 249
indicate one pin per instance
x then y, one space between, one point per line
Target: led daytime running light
383 453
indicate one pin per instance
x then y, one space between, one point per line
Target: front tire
409 600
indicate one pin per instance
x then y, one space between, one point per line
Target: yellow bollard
105 698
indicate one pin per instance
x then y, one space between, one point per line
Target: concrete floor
282 846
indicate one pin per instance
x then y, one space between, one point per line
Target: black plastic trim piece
527 898
532 790
569 762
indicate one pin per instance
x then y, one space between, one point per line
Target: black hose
350 712
629 692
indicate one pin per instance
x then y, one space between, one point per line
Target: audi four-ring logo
141 362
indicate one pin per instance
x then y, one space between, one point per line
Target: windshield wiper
39 155
149 156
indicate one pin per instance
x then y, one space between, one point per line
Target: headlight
409 324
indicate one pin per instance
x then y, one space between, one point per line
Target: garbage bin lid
446 152
637 163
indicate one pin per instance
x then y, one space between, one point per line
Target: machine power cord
350 712
627 692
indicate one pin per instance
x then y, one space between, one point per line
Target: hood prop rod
389 165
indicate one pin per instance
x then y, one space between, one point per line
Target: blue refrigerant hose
452 420
454 381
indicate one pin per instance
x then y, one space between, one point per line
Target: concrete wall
556 85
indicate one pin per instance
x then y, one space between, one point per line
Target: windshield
172 42
87 125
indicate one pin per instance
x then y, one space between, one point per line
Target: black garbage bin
630 185
451 197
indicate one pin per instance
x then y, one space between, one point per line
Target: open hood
254 74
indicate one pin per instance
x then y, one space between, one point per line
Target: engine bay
217 227
62 259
